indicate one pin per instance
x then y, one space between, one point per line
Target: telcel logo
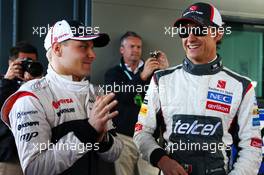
195 128
219 97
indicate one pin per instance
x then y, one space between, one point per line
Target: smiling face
201 49
73 58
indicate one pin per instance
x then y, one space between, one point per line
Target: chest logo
221 84
217 107
56 104
219 97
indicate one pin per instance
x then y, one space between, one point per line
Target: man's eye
83 46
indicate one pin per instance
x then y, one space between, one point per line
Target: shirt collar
140 64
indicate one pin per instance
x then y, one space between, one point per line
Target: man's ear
219 36
57 49
121 49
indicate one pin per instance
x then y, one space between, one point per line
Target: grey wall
5 34
148 18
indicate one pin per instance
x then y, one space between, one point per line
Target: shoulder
114 71
160 73
35 85
235 75
243 80
115 68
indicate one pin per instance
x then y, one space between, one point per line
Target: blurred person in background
10 83
134 73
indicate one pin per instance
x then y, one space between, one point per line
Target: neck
132 64
61 71
75 78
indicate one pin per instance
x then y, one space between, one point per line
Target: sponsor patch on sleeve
138 127
255 111
261 116
143 110
255 122
256 142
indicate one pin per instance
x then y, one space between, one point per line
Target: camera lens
35 69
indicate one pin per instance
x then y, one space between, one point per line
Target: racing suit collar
65 82
203 69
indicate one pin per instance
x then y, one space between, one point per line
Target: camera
34 68
154 54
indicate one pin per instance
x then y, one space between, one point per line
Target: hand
28 76
100 113
150 66
170 167
14 70
163 61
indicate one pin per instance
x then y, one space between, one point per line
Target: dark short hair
22 46
129 34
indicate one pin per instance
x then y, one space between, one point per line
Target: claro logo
195 128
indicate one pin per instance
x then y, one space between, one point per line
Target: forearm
111 150
148 147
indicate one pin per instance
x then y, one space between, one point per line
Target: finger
109 116
161 52
108 108
152 63
17 66
106 99
181 170
98 100
162 55
154 66
149 60
16 62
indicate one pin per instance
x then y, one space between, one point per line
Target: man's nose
91 54
191 37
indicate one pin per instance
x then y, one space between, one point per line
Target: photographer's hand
163 61
28 76
150 66
14 70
